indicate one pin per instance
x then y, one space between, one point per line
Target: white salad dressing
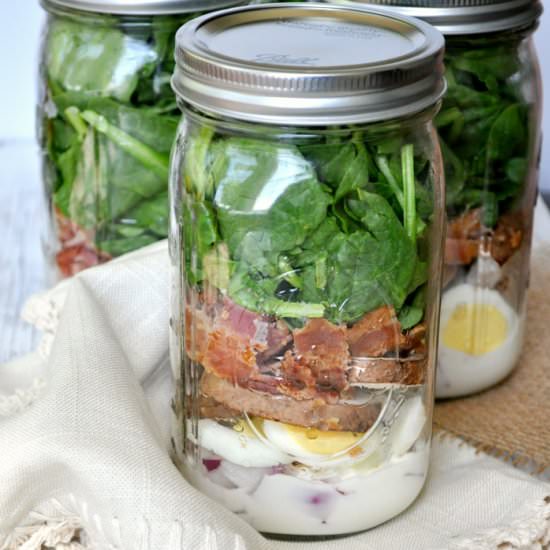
376 481
314 507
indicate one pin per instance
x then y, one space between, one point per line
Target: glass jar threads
490 131
107 120
306 242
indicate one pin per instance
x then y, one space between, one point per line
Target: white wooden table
22 266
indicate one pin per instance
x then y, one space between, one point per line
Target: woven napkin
84 461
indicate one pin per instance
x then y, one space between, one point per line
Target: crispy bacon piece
388 371
376 334
197 327
379 334
229 356
315 373
414 340
461 251
317 364
227 341
466 237
77 251
507 237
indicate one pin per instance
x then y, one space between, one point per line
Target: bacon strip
77 251
466 238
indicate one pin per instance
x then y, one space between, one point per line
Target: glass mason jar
489 128
107 118
306 243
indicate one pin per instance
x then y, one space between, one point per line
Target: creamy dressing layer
279 503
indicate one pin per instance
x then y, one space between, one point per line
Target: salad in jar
490 135
306 274
306 271
107 121
489 129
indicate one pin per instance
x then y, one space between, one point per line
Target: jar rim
461 17
140 7
324 70
232 125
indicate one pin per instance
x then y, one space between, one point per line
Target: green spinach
484 127
324 229
109 118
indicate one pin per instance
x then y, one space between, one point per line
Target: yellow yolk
321 443
475 329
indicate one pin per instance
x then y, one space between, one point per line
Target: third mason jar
106 122
306 242
489 129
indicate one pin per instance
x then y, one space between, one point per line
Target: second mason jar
306 242
489 128
107 120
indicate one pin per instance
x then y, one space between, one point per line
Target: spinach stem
293 309
75 120
321 272
384 167
289 273
143 153
409 209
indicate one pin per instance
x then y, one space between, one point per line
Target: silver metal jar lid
142 7
308 64
462 17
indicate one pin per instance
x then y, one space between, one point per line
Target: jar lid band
462 17
141 7
308 64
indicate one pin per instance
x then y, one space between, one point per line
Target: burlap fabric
512 420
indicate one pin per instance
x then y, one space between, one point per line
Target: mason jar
490 133
107 118
306 242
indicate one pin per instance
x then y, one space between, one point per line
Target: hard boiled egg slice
318 448
475 320
239 445
308 442
407 426
480 340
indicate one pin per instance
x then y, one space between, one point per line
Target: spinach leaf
289 232
109 126
95 58
267 200
507 134
257 293
483 125
366 269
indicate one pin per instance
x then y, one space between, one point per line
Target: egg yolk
475 329
319 442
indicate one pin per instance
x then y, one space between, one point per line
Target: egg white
238 447
461 373
408 426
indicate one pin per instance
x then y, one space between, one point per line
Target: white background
19 42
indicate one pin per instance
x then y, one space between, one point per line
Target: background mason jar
306 243
107 119
490 133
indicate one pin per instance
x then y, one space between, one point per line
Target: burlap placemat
512 420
